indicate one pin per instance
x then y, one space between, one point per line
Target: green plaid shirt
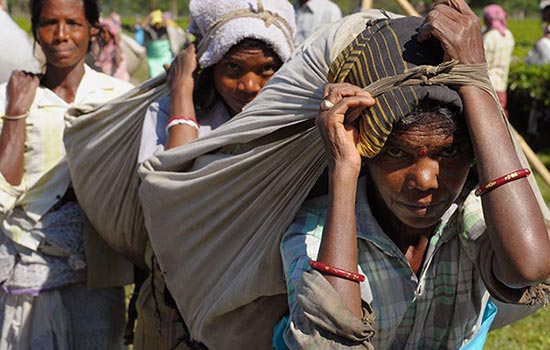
439 309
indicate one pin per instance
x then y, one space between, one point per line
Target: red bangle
491 185
334 271
180 117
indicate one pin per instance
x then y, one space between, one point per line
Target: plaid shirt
439 309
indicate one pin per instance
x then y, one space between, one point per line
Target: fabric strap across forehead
267 16
388 62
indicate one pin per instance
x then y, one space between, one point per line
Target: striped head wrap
388 48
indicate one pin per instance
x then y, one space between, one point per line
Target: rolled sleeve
9 195
538 294
319 317
479 249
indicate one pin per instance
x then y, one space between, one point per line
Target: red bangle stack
334 271
491 185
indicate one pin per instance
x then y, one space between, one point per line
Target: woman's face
64 32
419 173
242 73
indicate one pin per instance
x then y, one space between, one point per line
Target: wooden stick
533 158
408 8
404 4
366 4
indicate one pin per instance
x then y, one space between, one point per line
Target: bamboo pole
408 8
404 4
366 4
533 158
174 9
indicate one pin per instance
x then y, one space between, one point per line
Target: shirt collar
91 82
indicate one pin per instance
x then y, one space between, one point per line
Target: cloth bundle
17 49
102 144
134 52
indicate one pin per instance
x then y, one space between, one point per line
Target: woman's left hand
180 73
457 28
181 82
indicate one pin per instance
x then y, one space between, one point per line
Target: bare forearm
12 146
514 220
21 90
181 104
339 243
179 135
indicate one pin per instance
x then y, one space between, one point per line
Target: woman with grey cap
240 45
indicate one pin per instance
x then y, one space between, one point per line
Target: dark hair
92 11
205 93
448 115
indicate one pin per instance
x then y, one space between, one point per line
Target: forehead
247 53
255 48
63 8
433 134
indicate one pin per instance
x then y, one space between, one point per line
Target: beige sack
102 145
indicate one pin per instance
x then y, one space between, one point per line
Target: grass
531 333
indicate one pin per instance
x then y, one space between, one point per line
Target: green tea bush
526 32
528 86
531 82
528 93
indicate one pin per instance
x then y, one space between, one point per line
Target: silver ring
326 105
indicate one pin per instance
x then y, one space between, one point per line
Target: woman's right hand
21 91
339 136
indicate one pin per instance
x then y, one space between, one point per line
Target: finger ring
326 105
